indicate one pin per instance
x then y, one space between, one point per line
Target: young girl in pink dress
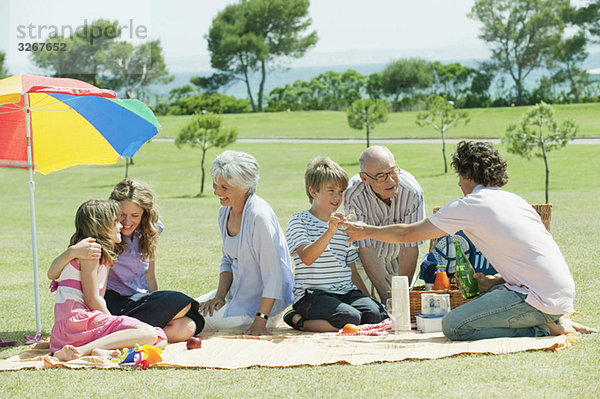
132 285
82 323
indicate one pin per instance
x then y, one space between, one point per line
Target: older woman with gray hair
255 280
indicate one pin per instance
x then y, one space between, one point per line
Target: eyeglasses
382 177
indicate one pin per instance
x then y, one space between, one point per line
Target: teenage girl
132 288
83 324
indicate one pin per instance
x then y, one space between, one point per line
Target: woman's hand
87 248
258 327
211 306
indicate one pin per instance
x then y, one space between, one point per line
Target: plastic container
429 324
400 303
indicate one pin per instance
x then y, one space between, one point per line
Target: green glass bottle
468 285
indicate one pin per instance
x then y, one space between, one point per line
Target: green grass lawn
485 122
189 255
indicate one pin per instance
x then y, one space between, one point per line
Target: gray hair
239 169
375 152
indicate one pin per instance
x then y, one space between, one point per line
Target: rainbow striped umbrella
48 124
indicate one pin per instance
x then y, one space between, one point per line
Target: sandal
33 339
289 317
7 343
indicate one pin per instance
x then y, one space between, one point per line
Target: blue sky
350 31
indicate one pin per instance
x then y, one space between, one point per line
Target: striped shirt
330 272
408 206
69 283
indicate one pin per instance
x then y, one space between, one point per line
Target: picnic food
194 343
350 328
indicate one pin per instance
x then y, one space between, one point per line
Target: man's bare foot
564 325
68 352
106 353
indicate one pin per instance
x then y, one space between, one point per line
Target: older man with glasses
383 194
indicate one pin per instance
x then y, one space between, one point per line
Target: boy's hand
335 221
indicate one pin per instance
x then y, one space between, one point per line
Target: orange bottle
441 279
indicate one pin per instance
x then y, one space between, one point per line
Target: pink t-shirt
511 235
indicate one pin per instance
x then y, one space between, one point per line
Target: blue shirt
263 268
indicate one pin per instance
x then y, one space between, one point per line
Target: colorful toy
141 357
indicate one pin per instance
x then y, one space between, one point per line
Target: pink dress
75 323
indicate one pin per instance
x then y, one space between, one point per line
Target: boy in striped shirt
326 296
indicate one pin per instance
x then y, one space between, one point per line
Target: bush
501 102
161 108
475 101
415 102
209 102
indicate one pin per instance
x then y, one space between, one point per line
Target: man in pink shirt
534 288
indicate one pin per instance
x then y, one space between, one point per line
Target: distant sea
281 77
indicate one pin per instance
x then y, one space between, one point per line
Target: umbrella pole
36 288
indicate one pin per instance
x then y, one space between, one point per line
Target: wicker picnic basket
414 294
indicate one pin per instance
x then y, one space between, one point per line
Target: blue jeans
499 312
340 309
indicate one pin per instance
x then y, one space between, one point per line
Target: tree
204 131
3 69
594 12
329 91
586 17
284 98
569 53
86 52
479 91
131 68
367 114
568 56
213 82
520 33
539 133
336 91
373 86
442 115
93 54
208 102
453 79
180 92
404 76
251 35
